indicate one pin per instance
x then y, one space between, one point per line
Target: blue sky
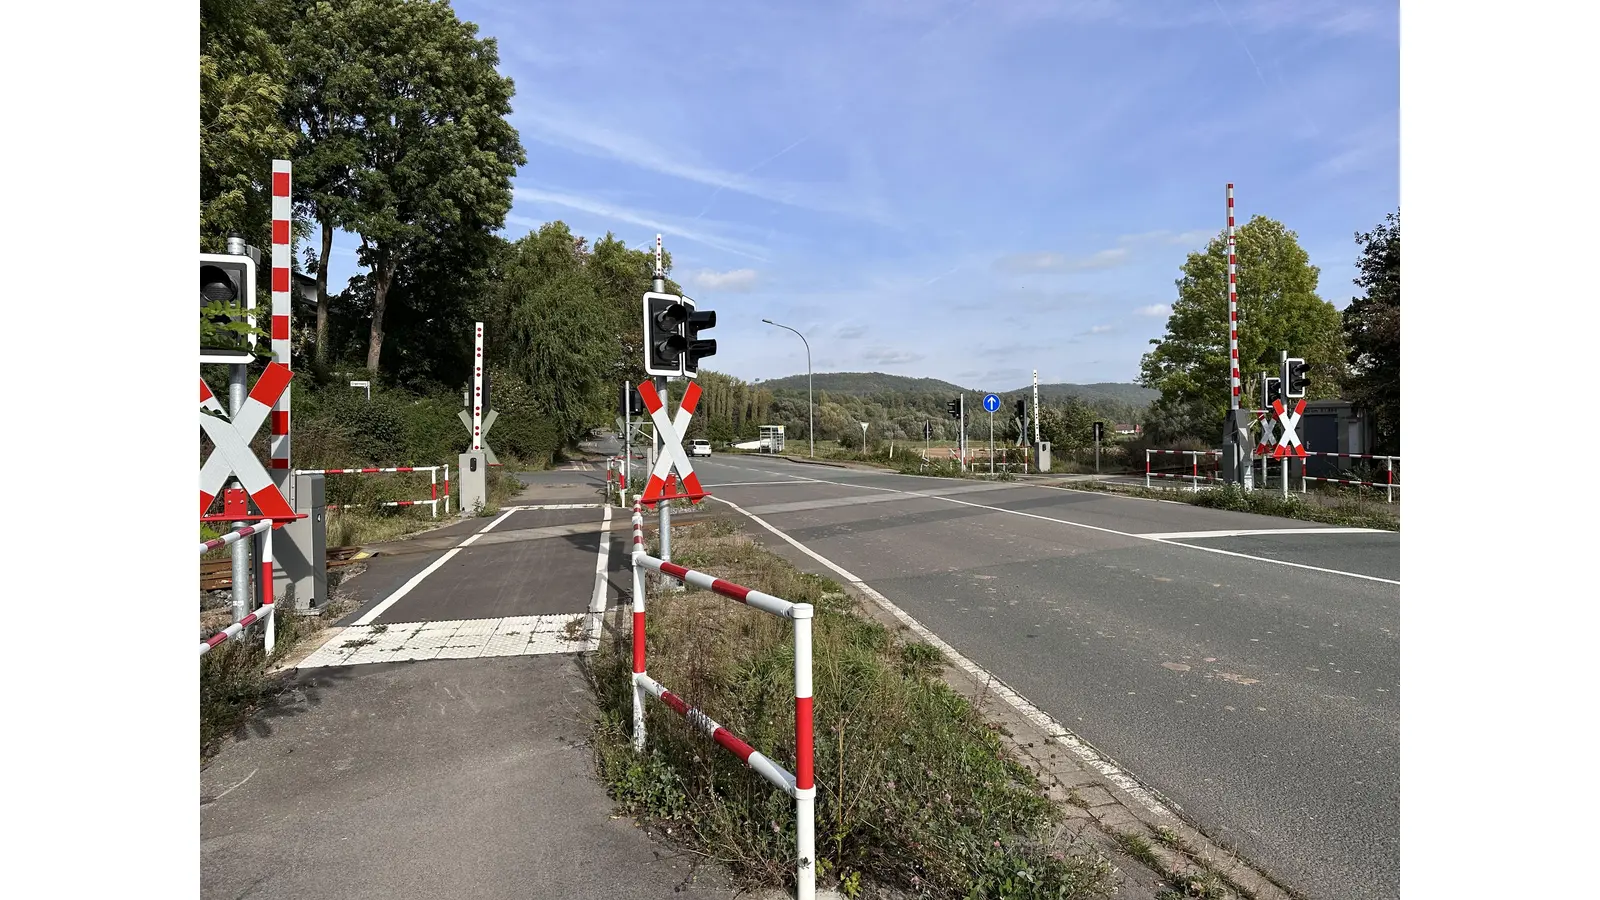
959 190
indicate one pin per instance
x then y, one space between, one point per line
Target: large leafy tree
1279 310
242 89
415 152
1372 331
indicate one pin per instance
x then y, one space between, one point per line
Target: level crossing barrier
800 784
262 532
1194 466
434 493
1388 483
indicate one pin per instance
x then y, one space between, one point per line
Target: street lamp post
811 416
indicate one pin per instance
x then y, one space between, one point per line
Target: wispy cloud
654 221
889 356
1047 261
569 130
850 332
734 280
1100 329
1154 310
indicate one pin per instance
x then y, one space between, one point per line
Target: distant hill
861 383
1113 391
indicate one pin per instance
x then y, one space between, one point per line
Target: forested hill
859 384
862 383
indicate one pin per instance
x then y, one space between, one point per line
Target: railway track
217 574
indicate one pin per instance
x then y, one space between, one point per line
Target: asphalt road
1251 680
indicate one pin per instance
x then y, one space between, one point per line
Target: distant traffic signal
1296 377
228 289
695 347
632 404
953 408
1274 385
1099 431
664 342
1022 409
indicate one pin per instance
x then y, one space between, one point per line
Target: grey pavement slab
417 781
1261 699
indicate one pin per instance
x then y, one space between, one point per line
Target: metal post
238 384
805 795
991 445
1097 453
1283 386
638 629
627 439
961 444
1388 462
664 507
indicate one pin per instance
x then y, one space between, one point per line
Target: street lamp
811 417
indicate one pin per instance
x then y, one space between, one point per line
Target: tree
242 90
1372 331
1279 310
416 110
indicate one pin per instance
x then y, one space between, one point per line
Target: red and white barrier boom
1194 465
799 785
264 613
433 484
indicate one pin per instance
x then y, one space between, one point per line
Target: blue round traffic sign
991 402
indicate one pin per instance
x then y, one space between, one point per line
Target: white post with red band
800 785
263 530
1233 310
282 257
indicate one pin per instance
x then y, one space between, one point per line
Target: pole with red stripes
638 627
805 790
1233 310
282 251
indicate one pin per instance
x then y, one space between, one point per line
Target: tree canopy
1372 331
1279 310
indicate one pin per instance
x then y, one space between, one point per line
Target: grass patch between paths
1354 511
914 791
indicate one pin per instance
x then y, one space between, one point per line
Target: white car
699 448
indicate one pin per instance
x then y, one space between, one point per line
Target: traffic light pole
991 445
238 389
664 507
1283 387
961 445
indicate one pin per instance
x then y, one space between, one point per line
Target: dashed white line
597 603
416 579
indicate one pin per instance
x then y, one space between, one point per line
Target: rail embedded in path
799 785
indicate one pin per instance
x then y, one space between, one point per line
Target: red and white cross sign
232 440
1268 437
672 455
1289 420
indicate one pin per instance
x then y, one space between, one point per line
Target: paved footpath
437 744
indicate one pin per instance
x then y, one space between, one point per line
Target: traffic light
632 404
695 347
664 343
953 408
1099 431
927 431
228 293
1022 409
1296 376
1274 385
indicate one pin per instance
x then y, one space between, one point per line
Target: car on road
699 448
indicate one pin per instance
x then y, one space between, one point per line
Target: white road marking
790 482
597 603
416 579
562 506
237 786
1126 534
1251 532
1058 732
455 639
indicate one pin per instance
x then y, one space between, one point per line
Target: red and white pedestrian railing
1388 483
435 496
615 481
262 531
1194 474
799 785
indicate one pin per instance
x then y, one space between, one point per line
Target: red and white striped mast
282 252
1233 310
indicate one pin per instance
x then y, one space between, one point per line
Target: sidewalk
427 776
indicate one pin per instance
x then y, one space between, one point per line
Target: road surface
1250 679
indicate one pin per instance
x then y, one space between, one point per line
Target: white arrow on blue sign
991 402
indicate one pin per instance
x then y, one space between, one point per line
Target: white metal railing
262 531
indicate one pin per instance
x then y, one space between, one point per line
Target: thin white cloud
606 210
1099 329
1154 310
890 357
851 332
735 280
567 130
1048 261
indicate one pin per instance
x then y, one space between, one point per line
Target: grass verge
915 791
1357 511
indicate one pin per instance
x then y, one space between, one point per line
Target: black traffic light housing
228 285
1274 385
953 408
1099 431
697 348
1296 377
1022 409
632 404
664 343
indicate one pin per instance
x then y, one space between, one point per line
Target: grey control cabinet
1044 456
472 482
300 550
